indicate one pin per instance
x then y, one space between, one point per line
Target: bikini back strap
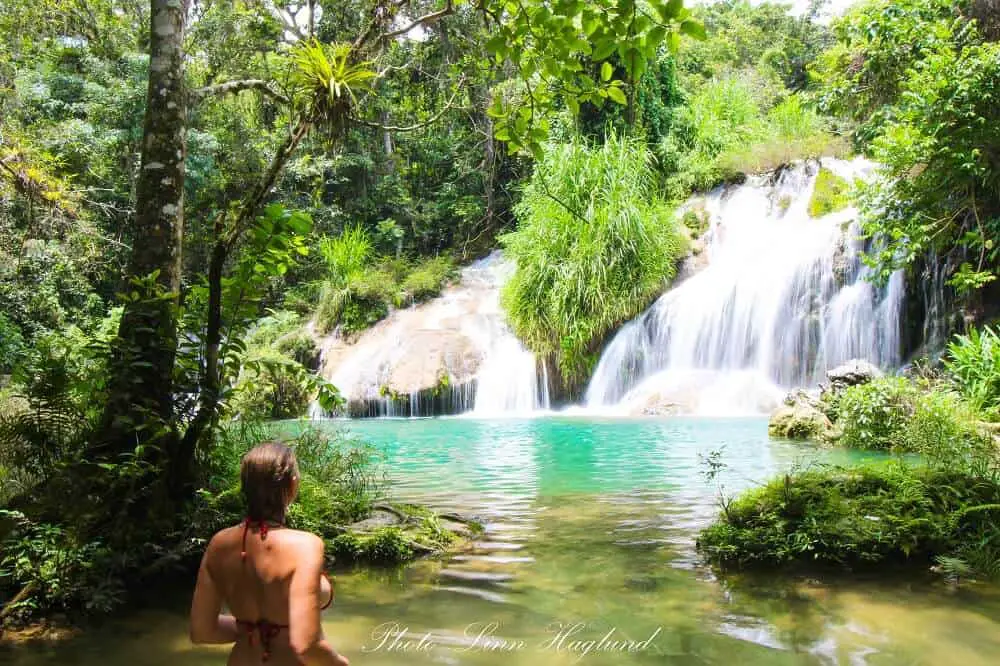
265 630
261 526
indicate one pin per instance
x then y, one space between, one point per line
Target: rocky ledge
803 414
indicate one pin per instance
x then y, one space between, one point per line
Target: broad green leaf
694 29
617 95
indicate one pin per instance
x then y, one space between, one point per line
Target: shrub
56 571
12 344
855 517
594 245
875 415
339 478
300 347
271 386
894 413
363 301
788 132
426 279
973 362
741 124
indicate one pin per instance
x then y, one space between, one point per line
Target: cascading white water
452 354
507 381
782 298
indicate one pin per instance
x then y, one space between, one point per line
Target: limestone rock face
429 359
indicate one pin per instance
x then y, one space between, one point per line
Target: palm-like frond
328 82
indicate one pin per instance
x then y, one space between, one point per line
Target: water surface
590 529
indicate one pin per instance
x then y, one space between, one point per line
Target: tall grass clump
788 132
741 124
973 362
360 290
595 243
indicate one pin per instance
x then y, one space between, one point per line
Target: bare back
278 582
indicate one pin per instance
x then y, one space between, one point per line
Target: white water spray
782 298
452 354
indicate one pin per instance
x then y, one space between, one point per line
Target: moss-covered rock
393 534
799 422
864 517
831 194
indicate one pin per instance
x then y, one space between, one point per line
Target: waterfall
450 355
781 298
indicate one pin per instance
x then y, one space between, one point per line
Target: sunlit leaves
552 46
327 79
938 192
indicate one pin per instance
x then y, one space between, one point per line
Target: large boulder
800 421
852 373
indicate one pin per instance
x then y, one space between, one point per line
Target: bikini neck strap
261 525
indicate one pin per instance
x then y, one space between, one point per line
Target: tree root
18 598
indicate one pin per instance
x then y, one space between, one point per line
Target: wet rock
852 373
379 518
810 398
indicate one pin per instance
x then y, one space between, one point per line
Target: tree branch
289 21
426 19
236 87
395 128
380 15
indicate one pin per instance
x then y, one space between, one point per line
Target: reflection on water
589 557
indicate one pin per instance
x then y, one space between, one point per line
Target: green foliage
271 386
367 296
741 124
941 507
339 479
894 413
973 361
860 517
347 255
546 46
764 36
790 131
61 573
11 344
878 43
594 245
926 83
426 279
830 194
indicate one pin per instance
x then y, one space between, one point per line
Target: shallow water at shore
588 557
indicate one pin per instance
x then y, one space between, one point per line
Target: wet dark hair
267 473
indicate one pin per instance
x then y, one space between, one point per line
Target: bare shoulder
221 539
305 543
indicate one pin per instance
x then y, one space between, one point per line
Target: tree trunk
140 401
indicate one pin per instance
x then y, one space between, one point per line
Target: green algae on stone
831 194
